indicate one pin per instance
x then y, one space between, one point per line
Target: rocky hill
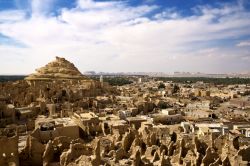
58 69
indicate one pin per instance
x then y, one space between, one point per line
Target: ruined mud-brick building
60 120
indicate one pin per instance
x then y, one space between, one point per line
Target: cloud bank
114 36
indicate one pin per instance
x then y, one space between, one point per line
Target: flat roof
65 121
87 115
208 124
136 119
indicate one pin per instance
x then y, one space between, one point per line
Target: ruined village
60 117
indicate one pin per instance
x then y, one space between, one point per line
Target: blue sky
124 36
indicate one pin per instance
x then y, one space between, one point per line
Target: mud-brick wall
68 131
9 151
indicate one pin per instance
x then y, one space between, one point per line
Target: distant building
203 105
201 93
139 80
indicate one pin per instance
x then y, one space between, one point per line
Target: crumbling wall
45 136
48 154
9 151
75 151
243 156
36 150
69 131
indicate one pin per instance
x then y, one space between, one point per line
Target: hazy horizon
126 36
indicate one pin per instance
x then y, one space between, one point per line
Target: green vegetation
123 80
5 78
114 80
176 89
117 81
217 81
161 86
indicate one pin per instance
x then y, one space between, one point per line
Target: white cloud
244 44
209 52
170 13
11 15
113 36
99 18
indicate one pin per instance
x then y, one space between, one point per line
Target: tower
139 80
101 79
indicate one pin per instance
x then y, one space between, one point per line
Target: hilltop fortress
60 69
